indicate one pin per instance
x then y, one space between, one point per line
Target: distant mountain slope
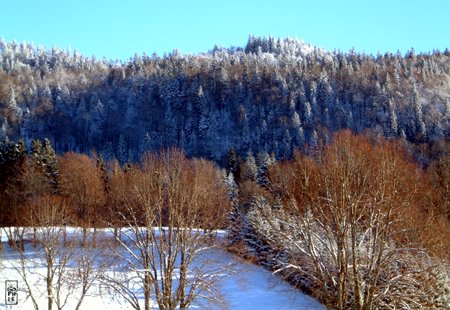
273 95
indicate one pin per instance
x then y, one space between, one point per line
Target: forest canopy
271 96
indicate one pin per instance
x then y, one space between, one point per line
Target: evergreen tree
182 140
36 152
4 131
313 100
264 161
307 114
107 152
122 151
251 167
314 139
244 128
298 136
146 143
170 132
12 104
233 163
50 164
206 103
285 151
96 117
325 97
393 126
45 158
418 114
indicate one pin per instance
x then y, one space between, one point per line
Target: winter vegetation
239 285
355 223
164 213
78 231
329 169
271 96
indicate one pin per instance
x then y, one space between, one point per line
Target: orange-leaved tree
82 185
346 226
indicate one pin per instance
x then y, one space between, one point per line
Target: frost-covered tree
340 228
45 158
249 169
298 135
285 150
84 103
418 114
96 116
393 125
171 207
4 131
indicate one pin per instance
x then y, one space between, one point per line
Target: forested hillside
271 96
358 218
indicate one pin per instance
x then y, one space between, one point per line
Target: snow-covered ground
246 287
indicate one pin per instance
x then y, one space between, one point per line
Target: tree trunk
11 238
147 282
34 237
94 238
64 235
84 235
49 285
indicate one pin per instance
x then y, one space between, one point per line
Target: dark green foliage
233 163
45 158
12 156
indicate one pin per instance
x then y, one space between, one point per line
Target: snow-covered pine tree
419 124
51 165
393 126
250 170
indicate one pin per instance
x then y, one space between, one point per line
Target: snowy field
245 287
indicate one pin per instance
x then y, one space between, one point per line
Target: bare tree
34 184
69 271
120 184
171 208
46 216
83 185
352 242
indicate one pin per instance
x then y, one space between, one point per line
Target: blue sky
119 29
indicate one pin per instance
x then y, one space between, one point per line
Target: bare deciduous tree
353 240
69 271
171 207
46 216
83 185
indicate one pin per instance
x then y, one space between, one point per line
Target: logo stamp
11 292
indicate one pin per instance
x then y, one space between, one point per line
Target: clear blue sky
118 29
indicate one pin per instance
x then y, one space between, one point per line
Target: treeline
159 216
95 193
356 223
271 97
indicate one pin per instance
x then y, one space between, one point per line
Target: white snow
247 287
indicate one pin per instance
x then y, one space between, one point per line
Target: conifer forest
330 169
